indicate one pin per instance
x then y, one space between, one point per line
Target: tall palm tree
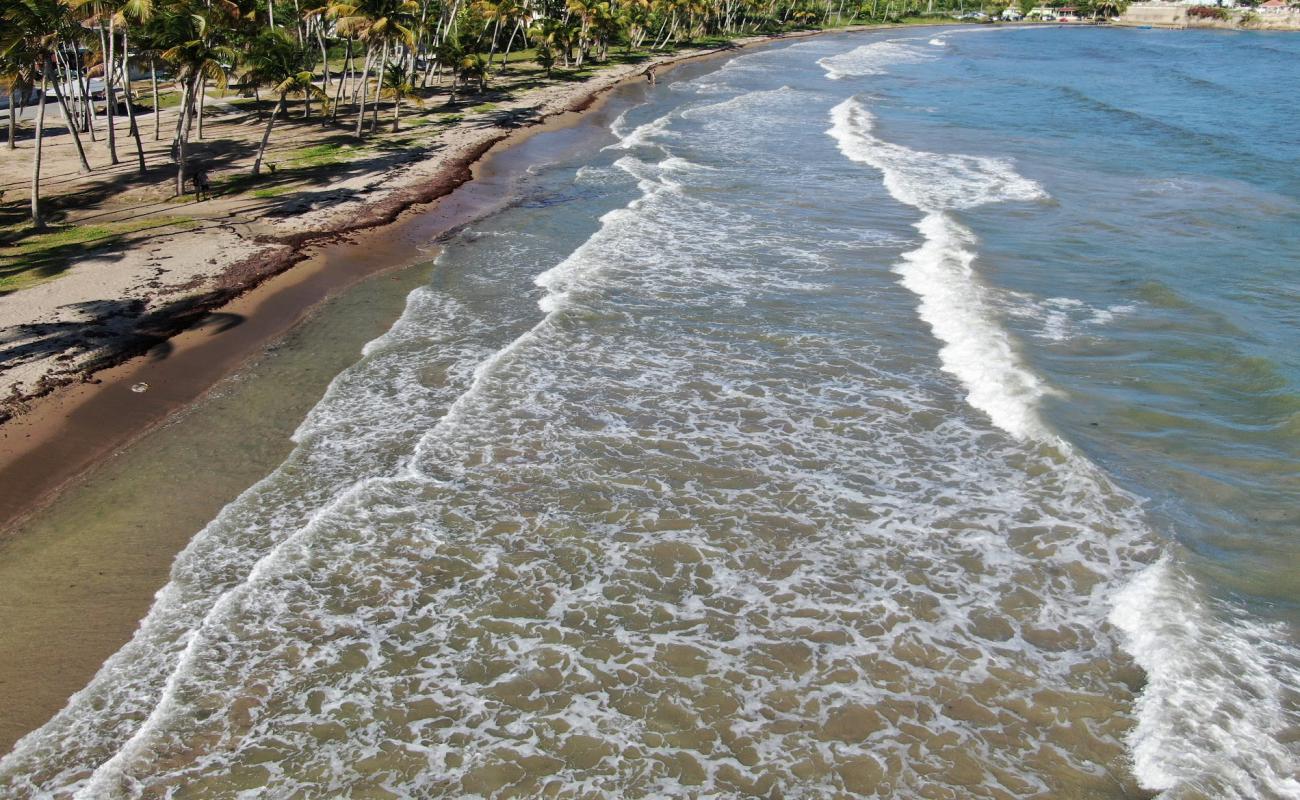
195 50
30 35
139 11
95 15
278 61
379 23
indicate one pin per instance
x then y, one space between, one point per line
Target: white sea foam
642 135
873 59
953 302
1060 319
1222 694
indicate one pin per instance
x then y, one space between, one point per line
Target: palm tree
379 23
16 78
31 34
95 12
450 52
546 59
196 52
496 13
398 87
279 62
141 11
473 68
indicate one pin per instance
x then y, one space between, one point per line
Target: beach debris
140 388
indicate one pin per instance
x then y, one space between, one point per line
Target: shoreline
85 436
73 424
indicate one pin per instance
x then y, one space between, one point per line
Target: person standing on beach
202 186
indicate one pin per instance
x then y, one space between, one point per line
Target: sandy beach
171 260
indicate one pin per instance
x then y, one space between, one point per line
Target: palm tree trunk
38 221
266 136
157 112
338 95
324 54
183 133
365 77
509 44
130 106
76 137
203 95
397 110
69 116
492 46
374 110
13 119
106 48
86 100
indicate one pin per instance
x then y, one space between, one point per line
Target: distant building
1273 7
1012 15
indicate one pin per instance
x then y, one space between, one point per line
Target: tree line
383 50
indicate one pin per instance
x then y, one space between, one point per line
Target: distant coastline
1178 16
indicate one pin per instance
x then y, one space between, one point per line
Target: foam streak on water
1221 695
975 348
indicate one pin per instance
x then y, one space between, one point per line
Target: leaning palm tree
278 61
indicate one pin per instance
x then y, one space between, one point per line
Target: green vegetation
28 258
275 191
319 155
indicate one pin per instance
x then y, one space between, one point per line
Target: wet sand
136 474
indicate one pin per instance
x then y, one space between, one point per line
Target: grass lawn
34 258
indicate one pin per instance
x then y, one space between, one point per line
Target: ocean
912 413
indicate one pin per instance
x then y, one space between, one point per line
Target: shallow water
909 413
